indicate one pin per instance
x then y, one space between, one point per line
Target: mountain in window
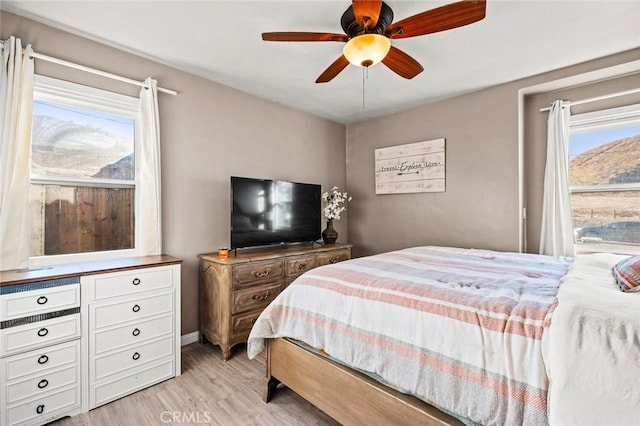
616 162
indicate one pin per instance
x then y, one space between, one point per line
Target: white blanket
593 352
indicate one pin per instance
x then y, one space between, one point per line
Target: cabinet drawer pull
40 409
43 332
42 300
136 356
261 274
264 296
302 267
136 281
136 332
334 260
136 308
43 359
43 383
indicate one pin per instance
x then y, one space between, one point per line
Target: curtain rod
93 71
597 98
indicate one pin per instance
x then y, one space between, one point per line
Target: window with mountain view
604 174
82 171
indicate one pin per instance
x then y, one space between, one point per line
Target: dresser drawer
131 282
333 257
38 334
33 302
247 275
104 392
42 384
41 361
129 334
103 315
43 410
255 297
241 324
131 358
299 264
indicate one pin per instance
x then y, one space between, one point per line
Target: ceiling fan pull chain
363 71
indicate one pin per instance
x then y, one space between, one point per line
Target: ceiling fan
369 30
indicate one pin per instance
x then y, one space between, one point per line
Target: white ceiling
221 41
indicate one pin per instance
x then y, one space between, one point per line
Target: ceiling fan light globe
366 49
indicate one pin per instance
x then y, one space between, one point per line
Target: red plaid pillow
627 274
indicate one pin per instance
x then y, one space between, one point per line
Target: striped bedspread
462 329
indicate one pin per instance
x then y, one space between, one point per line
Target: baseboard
187 339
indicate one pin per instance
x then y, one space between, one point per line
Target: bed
485 337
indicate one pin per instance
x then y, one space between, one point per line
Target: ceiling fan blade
367 12
402 64
334 69
303 36
442 18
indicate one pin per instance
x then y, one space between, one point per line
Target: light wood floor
209 391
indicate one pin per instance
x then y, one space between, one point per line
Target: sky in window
582 142
122 126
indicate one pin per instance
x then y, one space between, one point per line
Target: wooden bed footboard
346 395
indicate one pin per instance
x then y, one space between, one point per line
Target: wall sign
415 167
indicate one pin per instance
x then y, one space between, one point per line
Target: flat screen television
266 212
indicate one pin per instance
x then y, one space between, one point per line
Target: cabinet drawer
299 264
247 275
41 361
131 358
241 324
130 282
42 384
333 257
38 334
44 409
255 297
104 315
129 334
106 392
28 303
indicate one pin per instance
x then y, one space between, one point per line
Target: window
83 170
604 175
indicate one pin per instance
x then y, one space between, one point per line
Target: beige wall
209 132
480 206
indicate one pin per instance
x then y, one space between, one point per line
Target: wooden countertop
21 276
249 255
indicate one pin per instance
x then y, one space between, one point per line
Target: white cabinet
133 330
74 337
40 368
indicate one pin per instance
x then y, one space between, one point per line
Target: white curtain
149 226
16 104
556 236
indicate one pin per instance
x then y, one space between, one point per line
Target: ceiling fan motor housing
352 28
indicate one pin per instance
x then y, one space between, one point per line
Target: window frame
56 91
601 120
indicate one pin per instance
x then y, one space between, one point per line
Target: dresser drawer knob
136 281
40 409
261 274
43 359
136 332
264 296
43 383
302 267
43 332
334 260
136 356
136 308
42 300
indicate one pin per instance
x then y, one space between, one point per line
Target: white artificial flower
335 203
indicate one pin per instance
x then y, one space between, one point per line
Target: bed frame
346 395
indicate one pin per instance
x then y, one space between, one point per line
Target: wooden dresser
235 290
